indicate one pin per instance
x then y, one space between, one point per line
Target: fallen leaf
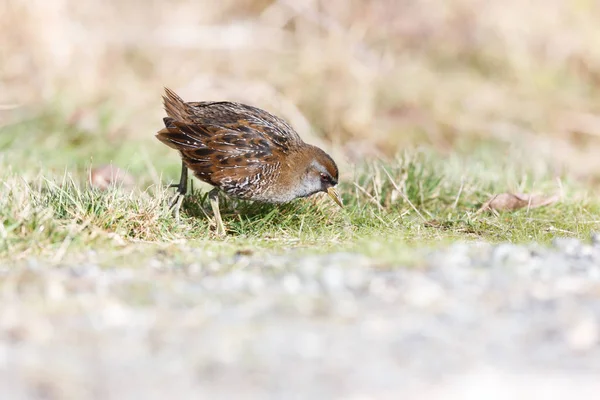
516 201
106 176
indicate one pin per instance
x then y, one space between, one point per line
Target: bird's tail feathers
174 105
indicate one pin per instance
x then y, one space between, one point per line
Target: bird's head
320 174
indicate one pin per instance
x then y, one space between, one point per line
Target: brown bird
245 152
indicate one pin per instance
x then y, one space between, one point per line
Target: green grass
419 199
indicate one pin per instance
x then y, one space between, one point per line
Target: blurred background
368 78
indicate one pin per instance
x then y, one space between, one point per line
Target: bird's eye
324 178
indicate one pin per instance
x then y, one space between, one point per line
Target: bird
245 152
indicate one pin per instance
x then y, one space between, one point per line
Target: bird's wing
226 142
242 117
220 154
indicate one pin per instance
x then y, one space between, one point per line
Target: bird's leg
213 197
181 191
182 185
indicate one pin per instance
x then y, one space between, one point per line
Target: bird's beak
333 193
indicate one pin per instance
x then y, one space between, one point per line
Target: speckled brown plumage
244 151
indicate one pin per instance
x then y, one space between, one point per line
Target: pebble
584 334
292 283
423 292
568 246
333 278
510 255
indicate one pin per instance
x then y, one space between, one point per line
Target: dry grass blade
462 185
369 196
403 195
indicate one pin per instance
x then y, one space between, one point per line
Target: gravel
471 321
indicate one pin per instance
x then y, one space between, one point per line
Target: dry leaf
516 201
106 175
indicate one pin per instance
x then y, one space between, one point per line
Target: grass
419 198
460 102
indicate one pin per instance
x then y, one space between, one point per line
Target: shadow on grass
247 217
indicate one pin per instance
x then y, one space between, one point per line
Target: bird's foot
213 196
